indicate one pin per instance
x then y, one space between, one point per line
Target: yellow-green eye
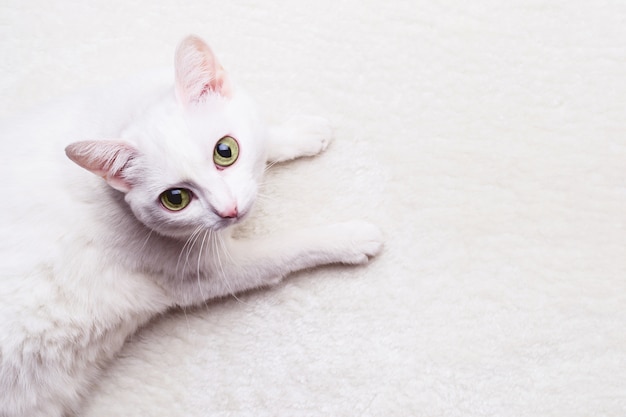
226 152
175 199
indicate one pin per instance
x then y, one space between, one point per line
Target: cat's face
191 163
196 168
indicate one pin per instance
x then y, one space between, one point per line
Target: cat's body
87 259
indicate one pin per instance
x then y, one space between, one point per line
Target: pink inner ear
198 72
107 158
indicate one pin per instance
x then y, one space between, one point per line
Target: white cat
87 259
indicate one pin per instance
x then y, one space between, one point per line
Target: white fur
88 260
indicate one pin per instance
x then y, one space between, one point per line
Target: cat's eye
226 152
175 199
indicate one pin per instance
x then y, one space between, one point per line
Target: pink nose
229 213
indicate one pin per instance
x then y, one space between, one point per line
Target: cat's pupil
175 197
223 150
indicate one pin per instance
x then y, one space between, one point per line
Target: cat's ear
107 158
198 72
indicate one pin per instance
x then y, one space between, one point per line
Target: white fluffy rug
488 140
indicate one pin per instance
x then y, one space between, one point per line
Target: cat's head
191 162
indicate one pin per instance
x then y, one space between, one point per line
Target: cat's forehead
177 139
167 125
219 115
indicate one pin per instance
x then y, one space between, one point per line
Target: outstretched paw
359 241
299 136
315 134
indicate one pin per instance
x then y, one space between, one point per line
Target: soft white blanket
487 138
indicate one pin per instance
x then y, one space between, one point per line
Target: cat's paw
359 241
298 137
315 133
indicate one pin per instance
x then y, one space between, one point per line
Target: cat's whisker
265 197
187 320
216 258
198 233
270 165
145 242
187 248
225 249
263 183
198 269
190 244
223 276
187 242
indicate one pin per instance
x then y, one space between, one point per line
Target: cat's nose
230 213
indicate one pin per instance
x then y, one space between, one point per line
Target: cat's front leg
299 136
244 264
